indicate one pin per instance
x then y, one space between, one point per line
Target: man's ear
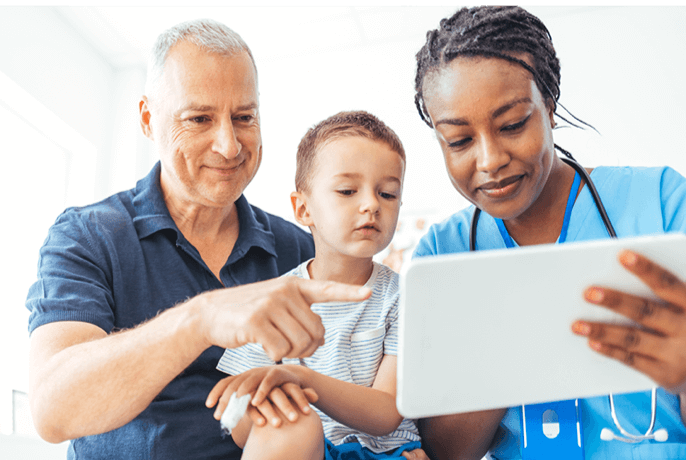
300 210
144 110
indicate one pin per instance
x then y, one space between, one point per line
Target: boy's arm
370 410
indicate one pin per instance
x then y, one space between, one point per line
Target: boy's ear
300 211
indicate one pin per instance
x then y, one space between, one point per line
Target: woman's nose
491 156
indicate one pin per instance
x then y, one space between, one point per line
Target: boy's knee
303 439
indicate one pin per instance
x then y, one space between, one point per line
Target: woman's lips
501 189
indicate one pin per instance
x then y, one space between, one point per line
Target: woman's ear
300 210
550 105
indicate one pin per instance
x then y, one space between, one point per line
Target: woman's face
495 131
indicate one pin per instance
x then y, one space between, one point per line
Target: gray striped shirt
357 336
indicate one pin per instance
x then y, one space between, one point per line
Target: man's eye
246 118
200 119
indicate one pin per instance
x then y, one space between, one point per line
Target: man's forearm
83 381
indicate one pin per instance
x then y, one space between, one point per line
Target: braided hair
491 31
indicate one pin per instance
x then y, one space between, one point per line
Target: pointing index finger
316 291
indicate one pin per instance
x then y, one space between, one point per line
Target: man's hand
273 388
274 313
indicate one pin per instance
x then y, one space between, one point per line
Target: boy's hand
274 388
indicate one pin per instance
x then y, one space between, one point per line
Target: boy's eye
346 192
388 196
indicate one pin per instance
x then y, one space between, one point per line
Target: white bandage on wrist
234 412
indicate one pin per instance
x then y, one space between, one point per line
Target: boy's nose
370 203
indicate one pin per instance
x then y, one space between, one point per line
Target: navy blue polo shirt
121 261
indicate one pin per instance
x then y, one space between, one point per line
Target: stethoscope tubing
611 231
589 183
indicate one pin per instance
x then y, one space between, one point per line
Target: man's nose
225 142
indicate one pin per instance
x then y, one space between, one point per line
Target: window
46 166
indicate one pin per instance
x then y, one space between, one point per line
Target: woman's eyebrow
501 110
496 113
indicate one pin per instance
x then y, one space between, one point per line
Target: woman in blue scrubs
488 84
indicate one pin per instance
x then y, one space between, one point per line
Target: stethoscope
606 434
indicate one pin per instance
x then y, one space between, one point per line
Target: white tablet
492 329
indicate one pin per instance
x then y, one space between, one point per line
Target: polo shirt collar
152 215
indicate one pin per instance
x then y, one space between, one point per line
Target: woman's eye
516 126
460 143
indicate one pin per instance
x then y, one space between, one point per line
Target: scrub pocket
366 352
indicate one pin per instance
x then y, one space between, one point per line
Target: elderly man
137 295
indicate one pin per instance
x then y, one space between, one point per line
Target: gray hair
207 34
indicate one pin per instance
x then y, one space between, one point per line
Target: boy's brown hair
355 123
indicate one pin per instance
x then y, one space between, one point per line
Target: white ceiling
123 35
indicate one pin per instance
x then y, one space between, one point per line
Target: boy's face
354 199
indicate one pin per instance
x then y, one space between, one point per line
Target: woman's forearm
463 436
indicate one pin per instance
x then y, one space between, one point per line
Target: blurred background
71 79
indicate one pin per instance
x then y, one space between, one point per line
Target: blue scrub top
120 262
639 201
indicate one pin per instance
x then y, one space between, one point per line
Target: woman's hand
417 454
274 388
658 349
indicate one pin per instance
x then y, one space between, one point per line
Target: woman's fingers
659 316
627 338
656 346
662 282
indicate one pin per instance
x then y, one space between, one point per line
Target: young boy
349 179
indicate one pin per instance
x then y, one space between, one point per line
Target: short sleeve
73 282
391 339
426 245
673 201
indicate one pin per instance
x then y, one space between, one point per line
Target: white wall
622 71
57 95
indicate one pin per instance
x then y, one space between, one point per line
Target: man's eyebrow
195 108
496 113
209 108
